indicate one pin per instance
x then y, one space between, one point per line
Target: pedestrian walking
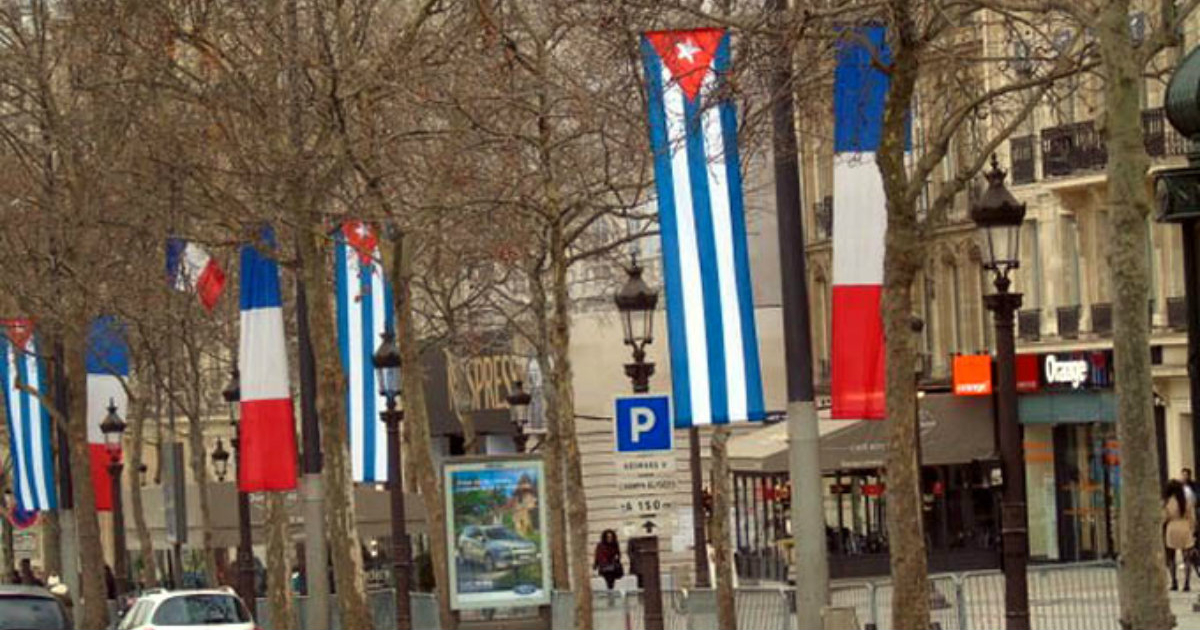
1179 531
608 558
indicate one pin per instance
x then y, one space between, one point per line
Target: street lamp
387 371
999 216
245 550
518 406
636 303
113 428
220 460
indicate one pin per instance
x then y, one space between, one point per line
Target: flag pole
809 561
316 555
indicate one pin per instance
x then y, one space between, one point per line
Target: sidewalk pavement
1181 605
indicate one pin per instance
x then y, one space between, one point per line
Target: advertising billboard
496 527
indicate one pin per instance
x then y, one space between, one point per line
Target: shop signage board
973 375
1073 371
496 523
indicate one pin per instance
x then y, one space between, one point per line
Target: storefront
958 482
1072 456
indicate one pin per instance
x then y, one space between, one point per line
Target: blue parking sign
643 423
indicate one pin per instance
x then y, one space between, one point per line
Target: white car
209 609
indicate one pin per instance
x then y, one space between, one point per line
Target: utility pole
804 467
316 554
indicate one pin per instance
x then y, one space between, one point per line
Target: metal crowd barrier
1061 597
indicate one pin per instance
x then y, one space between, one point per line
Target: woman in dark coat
608 558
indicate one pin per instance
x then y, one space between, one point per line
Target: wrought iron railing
1068 321
1029 324
1177 313
1079 146
1023 166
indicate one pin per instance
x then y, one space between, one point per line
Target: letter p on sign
643 424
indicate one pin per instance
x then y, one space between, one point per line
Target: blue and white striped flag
364 308
30 439
715 370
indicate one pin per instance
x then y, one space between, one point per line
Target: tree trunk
552 445
196 445
1141 580
331 394
149 573
903 252
722 490
279 592
416 421
94 609
562 378
8 559
52 543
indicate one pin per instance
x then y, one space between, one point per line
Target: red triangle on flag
687 54
362 238
19 331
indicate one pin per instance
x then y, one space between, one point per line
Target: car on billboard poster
496 526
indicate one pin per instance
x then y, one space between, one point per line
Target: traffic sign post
643 424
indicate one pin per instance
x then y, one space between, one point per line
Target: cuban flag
29 437
860 221
364 310
268 428
107 368
190 268
715 370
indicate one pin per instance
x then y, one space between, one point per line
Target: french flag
30 439
860 221
107 367
715 372
190 268
267 430
364 311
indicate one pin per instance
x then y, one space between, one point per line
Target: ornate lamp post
999 216
220 460
518 405
245 550
636 303
387 371
113 428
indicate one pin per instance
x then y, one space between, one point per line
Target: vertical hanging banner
860 221
107 367
268 427
715 370
30 441
364 311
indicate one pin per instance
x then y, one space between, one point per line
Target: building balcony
1177 313
1078 147
1068 321
1102 323
1029 324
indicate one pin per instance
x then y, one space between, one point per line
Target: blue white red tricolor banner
268 428
30 439
364 310
860 222
715 369
190 268
107 368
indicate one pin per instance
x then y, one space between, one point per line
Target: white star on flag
687 50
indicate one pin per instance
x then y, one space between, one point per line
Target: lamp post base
639 374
